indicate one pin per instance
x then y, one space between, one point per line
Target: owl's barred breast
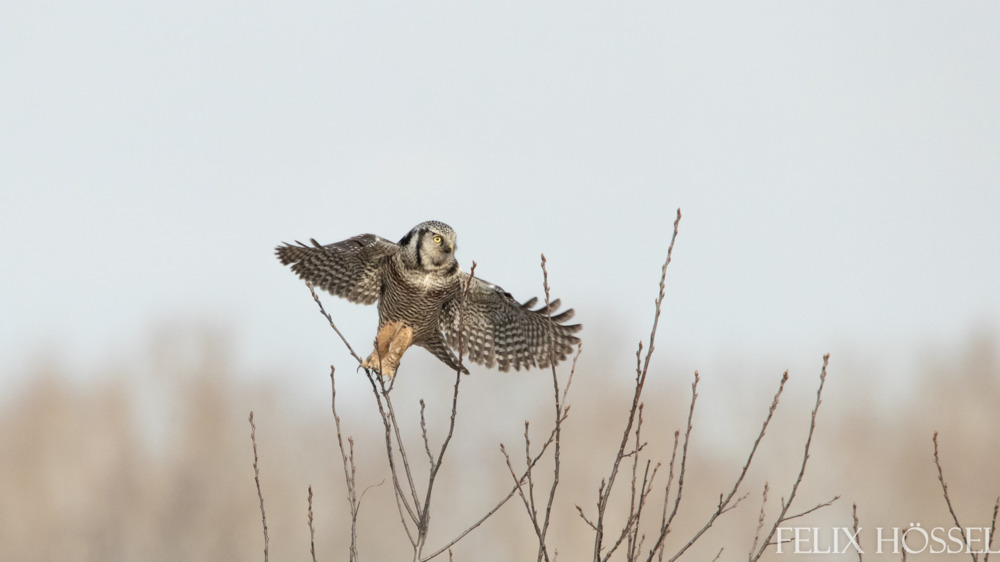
415 298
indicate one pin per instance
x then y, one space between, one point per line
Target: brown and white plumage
419 289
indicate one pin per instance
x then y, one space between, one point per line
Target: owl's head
430 246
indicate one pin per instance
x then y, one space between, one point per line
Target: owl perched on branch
420 291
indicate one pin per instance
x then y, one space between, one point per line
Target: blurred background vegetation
150 459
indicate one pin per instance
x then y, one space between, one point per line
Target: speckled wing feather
498 330
350 269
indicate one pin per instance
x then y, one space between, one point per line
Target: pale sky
837 163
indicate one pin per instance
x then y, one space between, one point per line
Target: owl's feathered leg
391 342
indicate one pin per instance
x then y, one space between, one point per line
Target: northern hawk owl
419 289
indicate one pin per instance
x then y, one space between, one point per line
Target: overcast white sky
838 165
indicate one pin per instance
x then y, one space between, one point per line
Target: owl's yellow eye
437 239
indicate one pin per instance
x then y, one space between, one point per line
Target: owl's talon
388 372
385 367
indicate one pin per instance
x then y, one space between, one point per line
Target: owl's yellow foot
385 366
392 341
382 365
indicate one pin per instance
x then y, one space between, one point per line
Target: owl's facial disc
437 250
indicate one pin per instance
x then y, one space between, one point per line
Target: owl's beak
451 248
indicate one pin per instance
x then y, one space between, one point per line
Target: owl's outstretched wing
498 330
350 269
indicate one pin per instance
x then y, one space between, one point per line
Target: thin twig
665 528
760 520
640 381
947 498
723 502
527 498
633 522
684 451
857 529
630 532
385 414
572 370
423 432
666 493
785 505
474 525
329 319
812 509
423 525
583 516
524 486
659 299
518 483
256 477
394 424
350 471
542 549
944 486
312 532
993 529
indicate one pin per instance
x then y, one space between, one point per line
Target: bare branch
584 517
329 319
423 432
388 415
944 486
760 520
632 526
518 483
529 498
659 299
542 550
640 381
739 480
666 496
347 457
947 498
569 379
993 529
312 532
393 423
856 528
256 477
683 467
525 485
812 509
423 526
388 422
802 468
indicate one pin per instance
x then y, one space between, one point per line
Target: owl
422 300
